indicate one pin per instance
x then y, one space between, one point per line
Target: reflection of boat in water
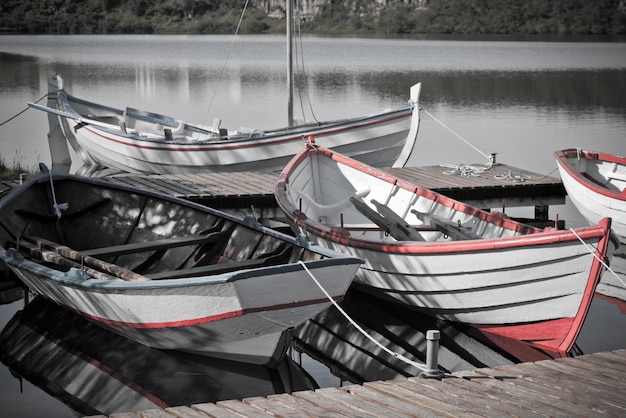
97 372
11 288
332 340
612 287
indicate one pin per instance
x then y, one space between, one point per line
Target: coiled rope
399 356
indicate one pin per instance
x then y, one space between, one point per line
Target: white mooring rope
56 206
399 356
591 250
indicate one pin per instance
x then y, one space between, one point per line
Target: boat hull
165 272
510 277
596 185
384 139
226 320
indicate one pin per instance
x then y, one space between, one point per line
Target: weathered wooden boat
96 372
133 140
596 184
165 272
443 257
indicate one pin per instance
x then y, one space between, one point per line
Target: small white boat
137 141
596 184
443 257
165 272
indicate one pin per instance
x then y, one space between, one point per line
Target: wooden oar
54 258
81 119
84 259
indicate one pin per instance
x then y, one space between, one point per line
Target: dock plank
582 386
300 404
243 409
420 401
541 393
274 408
360 405
440 392
214 411
331 405
369 393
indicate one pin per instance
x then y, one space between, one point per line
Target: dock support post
432 355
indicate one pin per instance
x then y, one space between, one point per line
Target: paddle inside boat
165 272
444 257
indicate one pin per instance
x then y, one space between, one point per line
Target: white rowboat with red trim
165 272
443 257
137 141
596 184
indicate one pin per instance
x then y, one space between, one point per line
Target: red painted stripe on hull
258 142
206 319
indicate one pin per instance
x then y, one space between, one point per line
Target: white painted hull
484 287
593 200
497 273
214 284
384 139
242 319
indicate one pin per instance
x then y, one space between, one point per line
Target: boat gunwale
340 236
76 279
261 138
248 221
562 157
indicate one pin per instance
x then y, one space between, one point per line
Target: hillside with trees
597 17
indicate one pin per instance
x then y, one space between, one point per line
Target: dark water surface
519 99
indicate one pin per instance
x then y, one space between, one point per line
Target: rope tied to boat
459 136
592 251
23 111
419 366
58 207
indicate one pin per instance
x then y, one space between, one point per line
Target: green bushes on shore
598 17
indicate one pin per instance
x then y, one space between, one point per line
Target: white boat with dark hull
165 272
596 184
443 257
137 141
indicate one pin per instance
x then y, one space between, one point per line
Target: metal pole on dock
432 355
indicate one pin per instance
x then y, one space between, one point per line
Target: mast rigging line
223 69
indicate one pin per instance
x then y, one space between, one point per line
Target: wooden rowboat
596 184
165 272
443 257
133 140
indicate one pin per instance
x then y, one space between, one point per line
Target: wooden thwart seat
400 223
397 230
451 229
137 247
268 259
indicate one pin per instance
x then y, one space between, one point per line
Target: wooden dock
238 192
584 386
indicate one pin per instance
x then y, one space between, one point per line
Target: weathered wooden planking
257 188
584 386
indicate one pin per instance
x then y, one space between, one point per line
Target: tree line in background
597 17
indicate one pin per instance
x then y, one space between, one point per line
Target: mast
289 9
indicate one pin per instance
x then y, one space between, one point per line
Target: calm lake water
520 99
